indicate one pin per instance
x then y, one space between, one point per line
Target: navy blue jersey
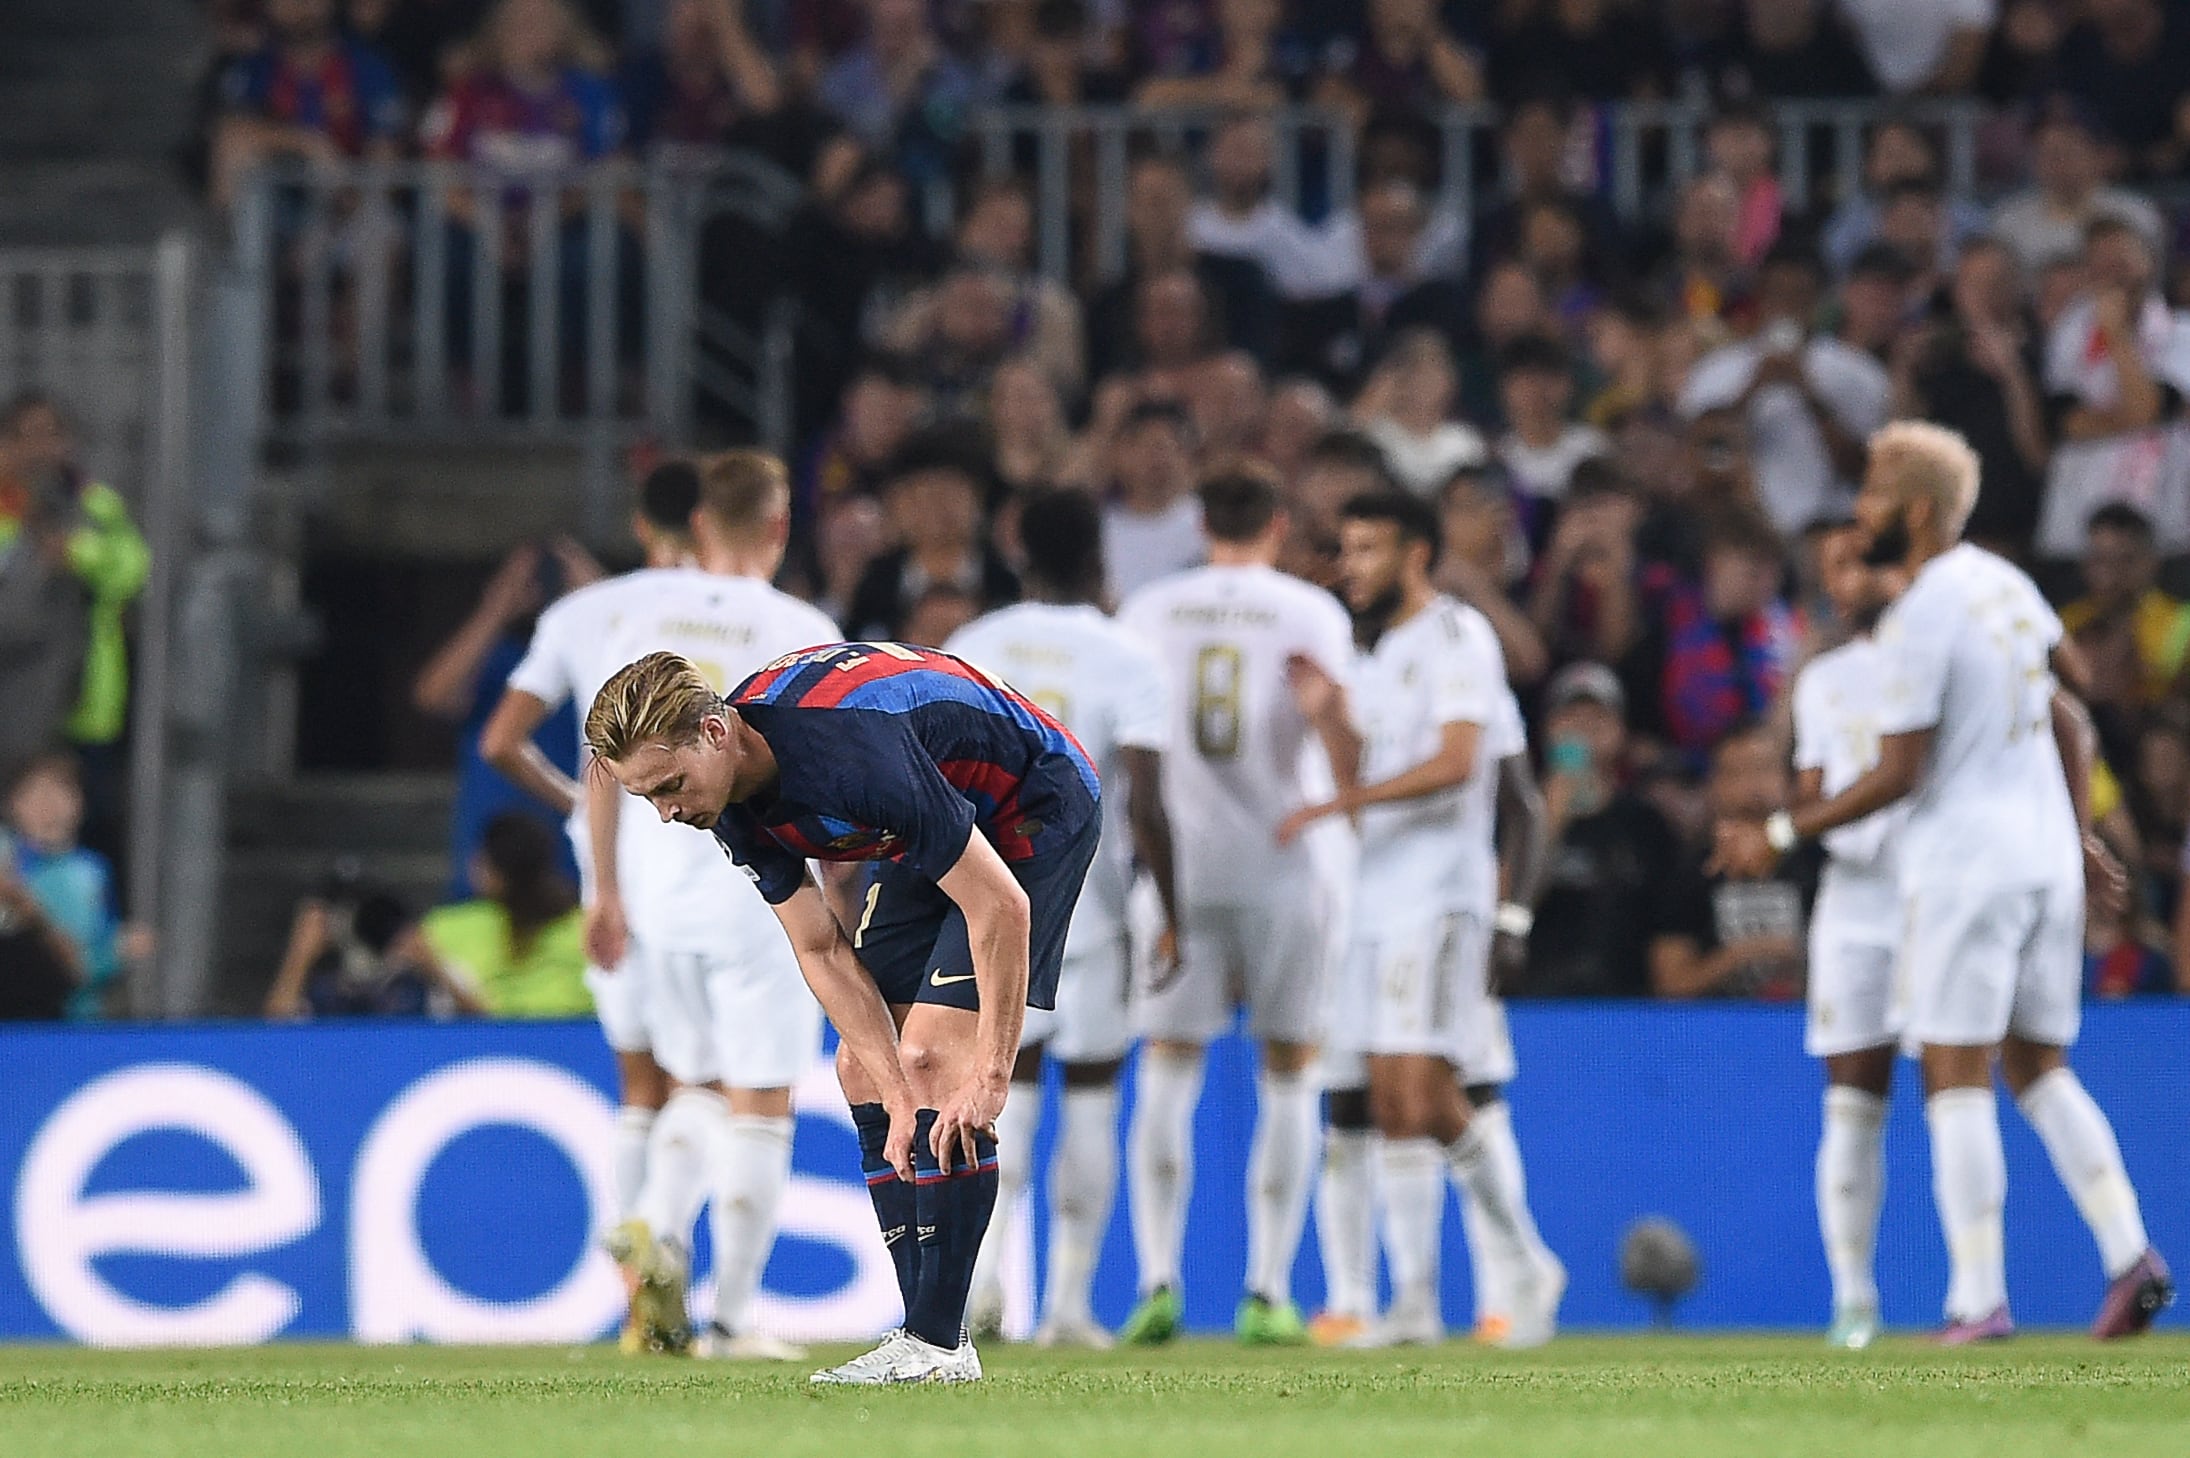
890 752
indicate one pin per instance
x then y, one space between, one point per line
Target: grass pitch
2050 1397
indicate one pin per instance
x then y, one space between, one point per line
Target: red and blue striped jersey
887 751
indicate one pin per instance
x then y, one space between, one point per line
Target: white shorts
741 1017
1092 1022
1978 963
619 1001
1271 958
1422 987
1852 958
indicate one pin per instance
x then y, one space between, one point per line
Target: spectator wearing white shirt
1542 445
2045 222
1932 46
1811 400
1153 526
1406 408
1243 218
2117 367
1396 146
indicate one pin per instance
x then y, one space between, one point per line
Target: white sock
1851 1186
1509 1237
1161 1155
1015 1128
681 1160
1493 1282
750 1181
1413 1177
1083 1177
1969 1182
1281 1170
1346 1222
1512 1228
2081 1144
633 1127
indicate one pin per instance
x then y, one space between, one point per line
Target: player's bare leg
1969 1183
1160 1152
2081 1144
753 1173
1281 1166
1851 1187
1083 1182
1014 1167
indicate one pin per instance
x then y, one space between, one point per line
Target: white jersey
1239 745
1838 697
1442 666
1967 653
677 886
1105 685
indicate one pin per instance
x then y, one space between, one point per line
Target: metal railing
1642 151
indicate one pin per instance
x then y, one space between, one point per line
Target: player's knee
2023 1064
858 1088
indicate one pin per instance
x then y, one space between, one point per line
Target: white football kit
717 995
1416 975
1855 928
1991 864
1253 915
1104 684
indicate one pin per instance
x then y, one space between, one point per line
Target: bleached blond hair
1933 462
660 699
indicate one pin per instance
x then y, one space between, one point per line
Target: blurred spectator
934 502
1723 937
1714 651
1739 146
711 85
39 971
1932 46
961 333
1812 401
1973 367
1541 163
1582 603
884 401
1407 409
996 235
2126 61
517 945
1622 336
1897 151
1242 217
462 682
1407 59
1227 401
309 92
1509 305
355 951
1028 421
1703 277
2135 636
1341 338
854 532
1793 49
1152 528
1057 71
1614 861
1603 49
45 623
899 91
2116 365
73 887
1484 563
1236 291
54 516
1554 246
1883 295
2047 220
1250 67
1542 444
1300 413
1395 147
1914 224
940 611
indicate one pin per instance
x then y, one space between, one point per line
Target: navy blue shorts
912 937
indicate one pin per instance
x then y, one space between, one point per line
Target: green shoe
1853 1329
1153 1322
1260 1323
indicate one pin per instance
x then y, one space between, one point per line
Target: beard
1371 621
1864 619
1889 546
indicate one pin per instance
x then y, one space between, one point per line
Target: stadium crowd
1632 429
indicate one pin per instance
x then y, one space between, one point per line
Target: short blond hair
743 490
660 699
1933 461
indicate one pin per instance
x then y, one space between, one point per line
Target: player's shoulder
1842 664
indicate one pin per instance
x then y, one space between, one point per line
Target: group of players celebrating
1072 831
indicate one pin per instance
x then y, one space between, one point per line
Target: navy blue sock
953 1206
893 1198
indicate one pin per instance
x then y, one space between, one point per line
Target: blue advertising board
410 1182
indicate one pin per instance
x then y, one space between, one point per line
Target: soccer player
1992 755
1106 686
1430 693
1255 662
716 992
1853 931
985 814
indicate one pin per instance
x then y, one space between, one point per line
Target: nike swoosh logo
936 978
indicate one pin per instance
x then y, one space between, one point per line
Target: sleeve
1718 380
1465 680
1912 670
544 671
776 871
1327 639
871 768
1144 701
107 552
1809 734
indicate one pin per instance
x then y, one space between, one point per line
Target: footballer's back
1224 635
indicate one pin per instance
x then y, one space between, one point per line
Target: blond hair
1930 460
743 491
658 700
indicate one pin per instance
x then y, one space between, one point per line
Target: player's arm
999 926
607 935
506 743
1321 700
2106 881
1524 855
1680 968
1747 849
1450 766
854 1006
1150 824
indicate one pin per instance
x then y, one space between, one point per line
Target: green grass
1771 1397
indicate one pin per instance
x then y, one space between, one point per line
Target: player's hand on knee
971 1111
897 1148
